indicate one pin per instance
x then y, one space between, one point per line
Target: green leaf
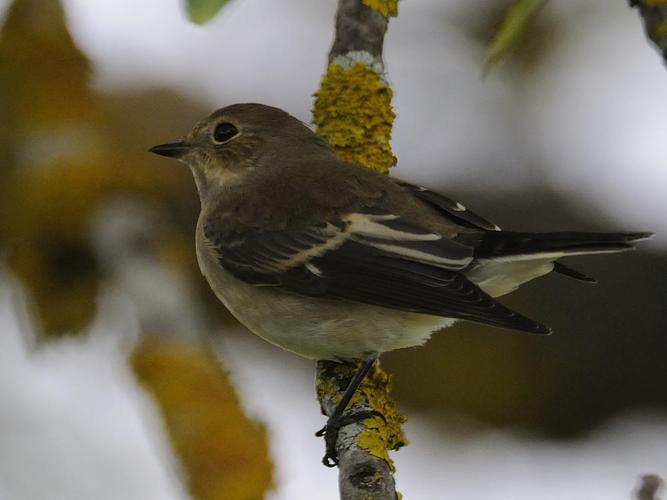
202 11
514 25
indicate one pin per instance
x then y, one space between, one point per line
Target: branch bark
353 112
654 15
365 469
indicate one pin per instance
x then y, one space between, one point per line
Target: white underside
502 277
325 329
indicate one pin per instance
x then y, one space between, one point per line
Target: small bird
333 261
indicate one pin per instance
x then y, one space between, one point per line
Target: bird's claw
333 426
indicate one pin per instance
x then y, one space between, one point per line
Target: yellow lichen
379 434
653 3
388 8
326 388
353 113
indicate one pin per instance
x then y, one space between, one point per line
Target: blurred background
122 377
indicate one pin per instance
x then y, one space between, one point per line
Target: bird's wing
368 257
450 208
464 217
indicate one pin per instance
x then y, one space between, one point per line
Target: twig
654 14
649 486
353 112
359 28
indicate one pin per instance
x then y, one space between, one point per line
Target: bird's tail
511 246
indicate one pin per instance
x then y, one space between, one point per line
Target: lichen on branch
353 113
388 8
377 434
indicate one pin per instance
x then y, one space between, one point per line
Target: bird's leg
337 419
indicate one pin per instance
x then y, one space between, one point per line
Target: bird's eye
224 131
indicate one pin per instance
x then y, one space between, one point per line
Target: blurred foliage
654 14
225 453
542 34
202 11
515 23
51 119
66 151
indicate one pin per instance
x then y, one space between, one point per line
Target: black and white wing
372 258
456 212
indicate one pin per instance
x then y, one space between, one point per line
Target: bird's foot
333 426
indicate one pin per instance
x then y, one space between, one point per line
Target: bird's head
223 148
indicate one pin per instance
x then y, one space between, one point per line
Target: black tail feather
506 243
561 268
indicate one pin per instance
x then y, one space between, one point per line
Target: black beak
172 150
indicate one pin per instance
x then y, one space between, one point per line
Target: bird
334 261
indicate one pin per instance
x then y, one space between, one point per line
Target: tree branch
649 487
654 14
365 467
353 112
359 28
353 104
